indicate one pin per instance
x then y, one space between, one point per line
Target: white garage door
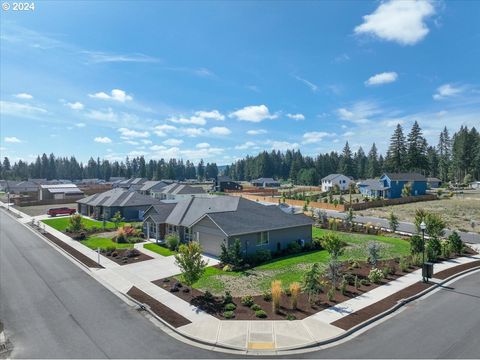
210 243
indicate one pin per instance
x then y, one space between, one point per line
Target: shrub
374 249
417 259
446 249
364 282
311 284
227 298
332 243
291 317
121 239
416 244
331 294
230 307
247 300
403 264
317 243
132 253
261 314
375 276
276 294
434 249
262 256
255 307
207 296
356 282
343 286
456 243
267 296
172 241
295 291
227 268
228 314
75 223
294 248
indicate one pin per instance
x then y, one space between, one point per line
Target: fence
24 202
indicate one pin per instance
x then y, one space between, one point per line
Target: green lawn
94 242
292 267
159 249
61 224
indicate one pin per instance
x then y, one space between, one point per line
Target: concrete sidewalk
257 335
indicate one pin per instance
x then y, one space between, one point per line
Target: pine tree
373 169
396 154
417 150
444 153
361 163
346 162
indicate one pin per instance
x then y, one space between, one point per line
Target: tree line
454 158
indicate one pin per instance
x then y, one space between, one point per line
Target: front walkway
242 335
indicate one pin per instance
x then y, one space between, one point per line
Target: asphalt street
53 309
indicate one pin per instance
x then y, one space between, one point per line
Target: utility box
427 270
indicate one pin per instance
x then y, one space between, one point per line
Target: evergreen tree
417 150
444 153
396 154
373 165
346 162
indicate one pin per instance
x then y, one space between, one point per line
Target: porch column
148 230
157 230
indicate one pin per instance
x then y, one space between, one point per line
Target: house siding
396 186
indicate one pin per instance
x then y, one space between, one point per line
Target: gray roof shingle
118 197
406 177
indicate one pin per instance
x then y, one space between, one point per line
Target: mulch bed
215 306
74 252
122 259
349 321
456 269
164 312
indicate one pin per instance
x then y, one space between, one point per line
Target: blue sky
220 80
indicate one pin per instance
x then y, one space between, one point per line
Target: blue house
372 188
394 183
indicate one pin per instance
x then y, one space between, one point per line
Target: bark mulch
456 269
122 259
74 252
164 312
349 321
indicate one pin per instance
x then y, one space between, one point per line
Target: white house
331 180
475 185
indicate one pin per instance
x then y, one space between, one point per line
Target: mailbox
427 270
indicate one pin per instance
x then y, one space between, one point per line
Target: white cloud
24 96
315 136
348 133
308 83
107 115
193 120
256 132
213 114
283 145
12 140
103 140
254 113
447 90
131 142
202 145
80 125
193 132
382 78
359 112
20 110
157 147
116 95
75 106
173 142
162 130
245 146
296 116
399 21
146 141
102 57
129 133
220 130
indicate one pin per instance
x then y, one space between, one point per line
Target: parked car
61 211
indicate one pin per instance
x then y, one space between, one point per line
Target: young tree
374 249
349 218
393 221
456 243
407 190
333 245
117 219
75 223
311 284
189 260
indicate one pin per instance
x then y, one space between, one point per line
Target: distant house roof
265 181
62 189
223 179
181 189
372 184
132 181
118 197
21 186
332 177
405 176
161 212
148 185
433 179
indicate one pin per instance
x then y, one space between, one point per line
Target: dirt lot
42 209
457 211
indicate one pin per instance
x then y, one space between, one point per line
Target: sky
220 80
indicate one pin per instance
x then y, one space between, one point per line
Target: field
161 250
457 211
61 224
291 268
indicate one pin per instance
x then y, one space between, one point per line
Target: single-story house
372 188
265 182
223 183
132 183
130 204
150 187
177 192
394 182
433 182
21 187
329 182
223 219
59 192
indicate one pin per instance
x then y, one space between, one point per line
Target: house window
188 234
262 238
